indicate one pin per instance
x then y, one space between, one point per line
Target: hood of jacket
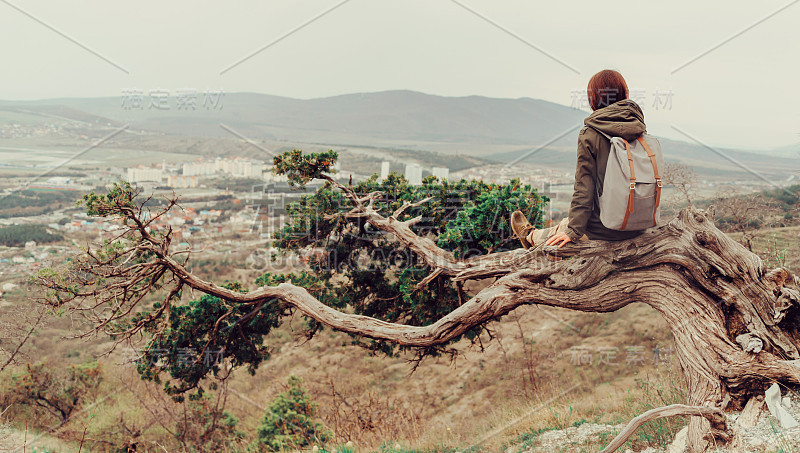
620 119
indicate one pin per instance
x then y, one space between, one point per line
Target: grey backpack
632 185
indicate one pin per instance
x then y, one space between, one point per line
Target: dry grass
15 440
777 246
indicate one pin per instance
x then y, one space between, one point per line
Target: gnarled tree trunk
735 323
708 287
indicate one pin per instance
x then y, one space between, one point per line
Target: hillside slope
501 130
387 115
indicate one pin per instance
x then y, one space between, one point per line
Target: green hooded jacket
620 119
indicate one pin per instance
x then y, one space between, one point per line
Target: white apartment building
441 172
235 167
385 169
144 174
414 174
182 181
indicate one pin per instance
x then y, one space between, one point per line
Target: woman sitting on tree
614 115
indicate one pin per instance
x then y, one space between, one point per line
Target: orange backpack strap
629 210
655 172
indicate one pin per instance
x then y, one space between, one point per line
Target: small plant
607 436
580 422
525 441
773 254
784 446
289 421
560 421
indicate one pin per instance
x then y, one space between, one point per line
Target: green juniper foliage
102 205
190 351
351 266
380 275
301 168
289 422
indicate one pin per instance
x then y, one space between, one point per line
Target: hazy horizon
714 69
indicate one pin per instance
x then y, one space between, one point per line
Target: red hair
605 88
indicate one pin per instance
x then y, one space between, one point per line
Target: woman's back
620 119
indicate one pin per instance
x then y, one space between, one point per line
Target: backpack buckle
633 185
658 182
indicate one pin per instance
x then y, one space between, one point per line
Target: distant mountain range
502 130
393 115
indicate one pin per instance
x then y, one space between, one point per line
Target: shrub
53 392
289 421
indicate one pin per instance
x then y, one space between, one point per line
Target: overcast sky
744 93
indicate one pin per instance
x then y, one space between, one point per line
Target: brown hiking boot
521 227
